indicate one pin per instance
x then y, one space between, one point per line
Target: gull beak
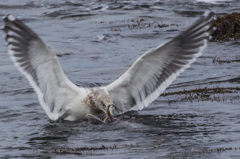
110 113
111 109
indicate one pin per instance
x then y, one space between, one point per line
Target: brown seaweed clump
227 27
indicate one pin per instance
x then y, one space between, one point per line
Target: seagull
139 86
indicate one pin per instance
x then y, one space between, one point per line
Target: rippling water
96 42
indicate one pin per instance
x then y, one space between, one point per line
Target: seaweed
227 27
205 94
218 60
205 90
208 151
85 150
137 23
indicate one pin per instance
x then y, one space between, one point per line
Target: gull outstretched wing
156 69
39 63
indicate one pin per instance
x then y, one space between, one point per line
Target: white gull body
140 85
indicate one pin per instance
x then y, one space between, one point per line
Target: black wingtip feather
15 25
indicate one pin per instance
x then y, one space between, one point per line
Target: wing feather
155 70
39 63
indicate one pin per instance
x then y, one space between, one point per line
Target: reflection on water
97 41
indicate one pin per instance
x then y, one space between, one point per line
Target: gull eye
102 103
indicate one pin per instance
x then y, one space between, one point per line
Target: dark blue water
97 41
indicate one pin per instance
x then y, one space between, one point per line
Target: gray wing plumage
39 63
155 70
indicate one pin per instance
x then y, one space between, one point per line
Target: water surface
96 42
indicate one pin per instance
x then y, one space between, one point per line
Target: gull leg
96 118
109 117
